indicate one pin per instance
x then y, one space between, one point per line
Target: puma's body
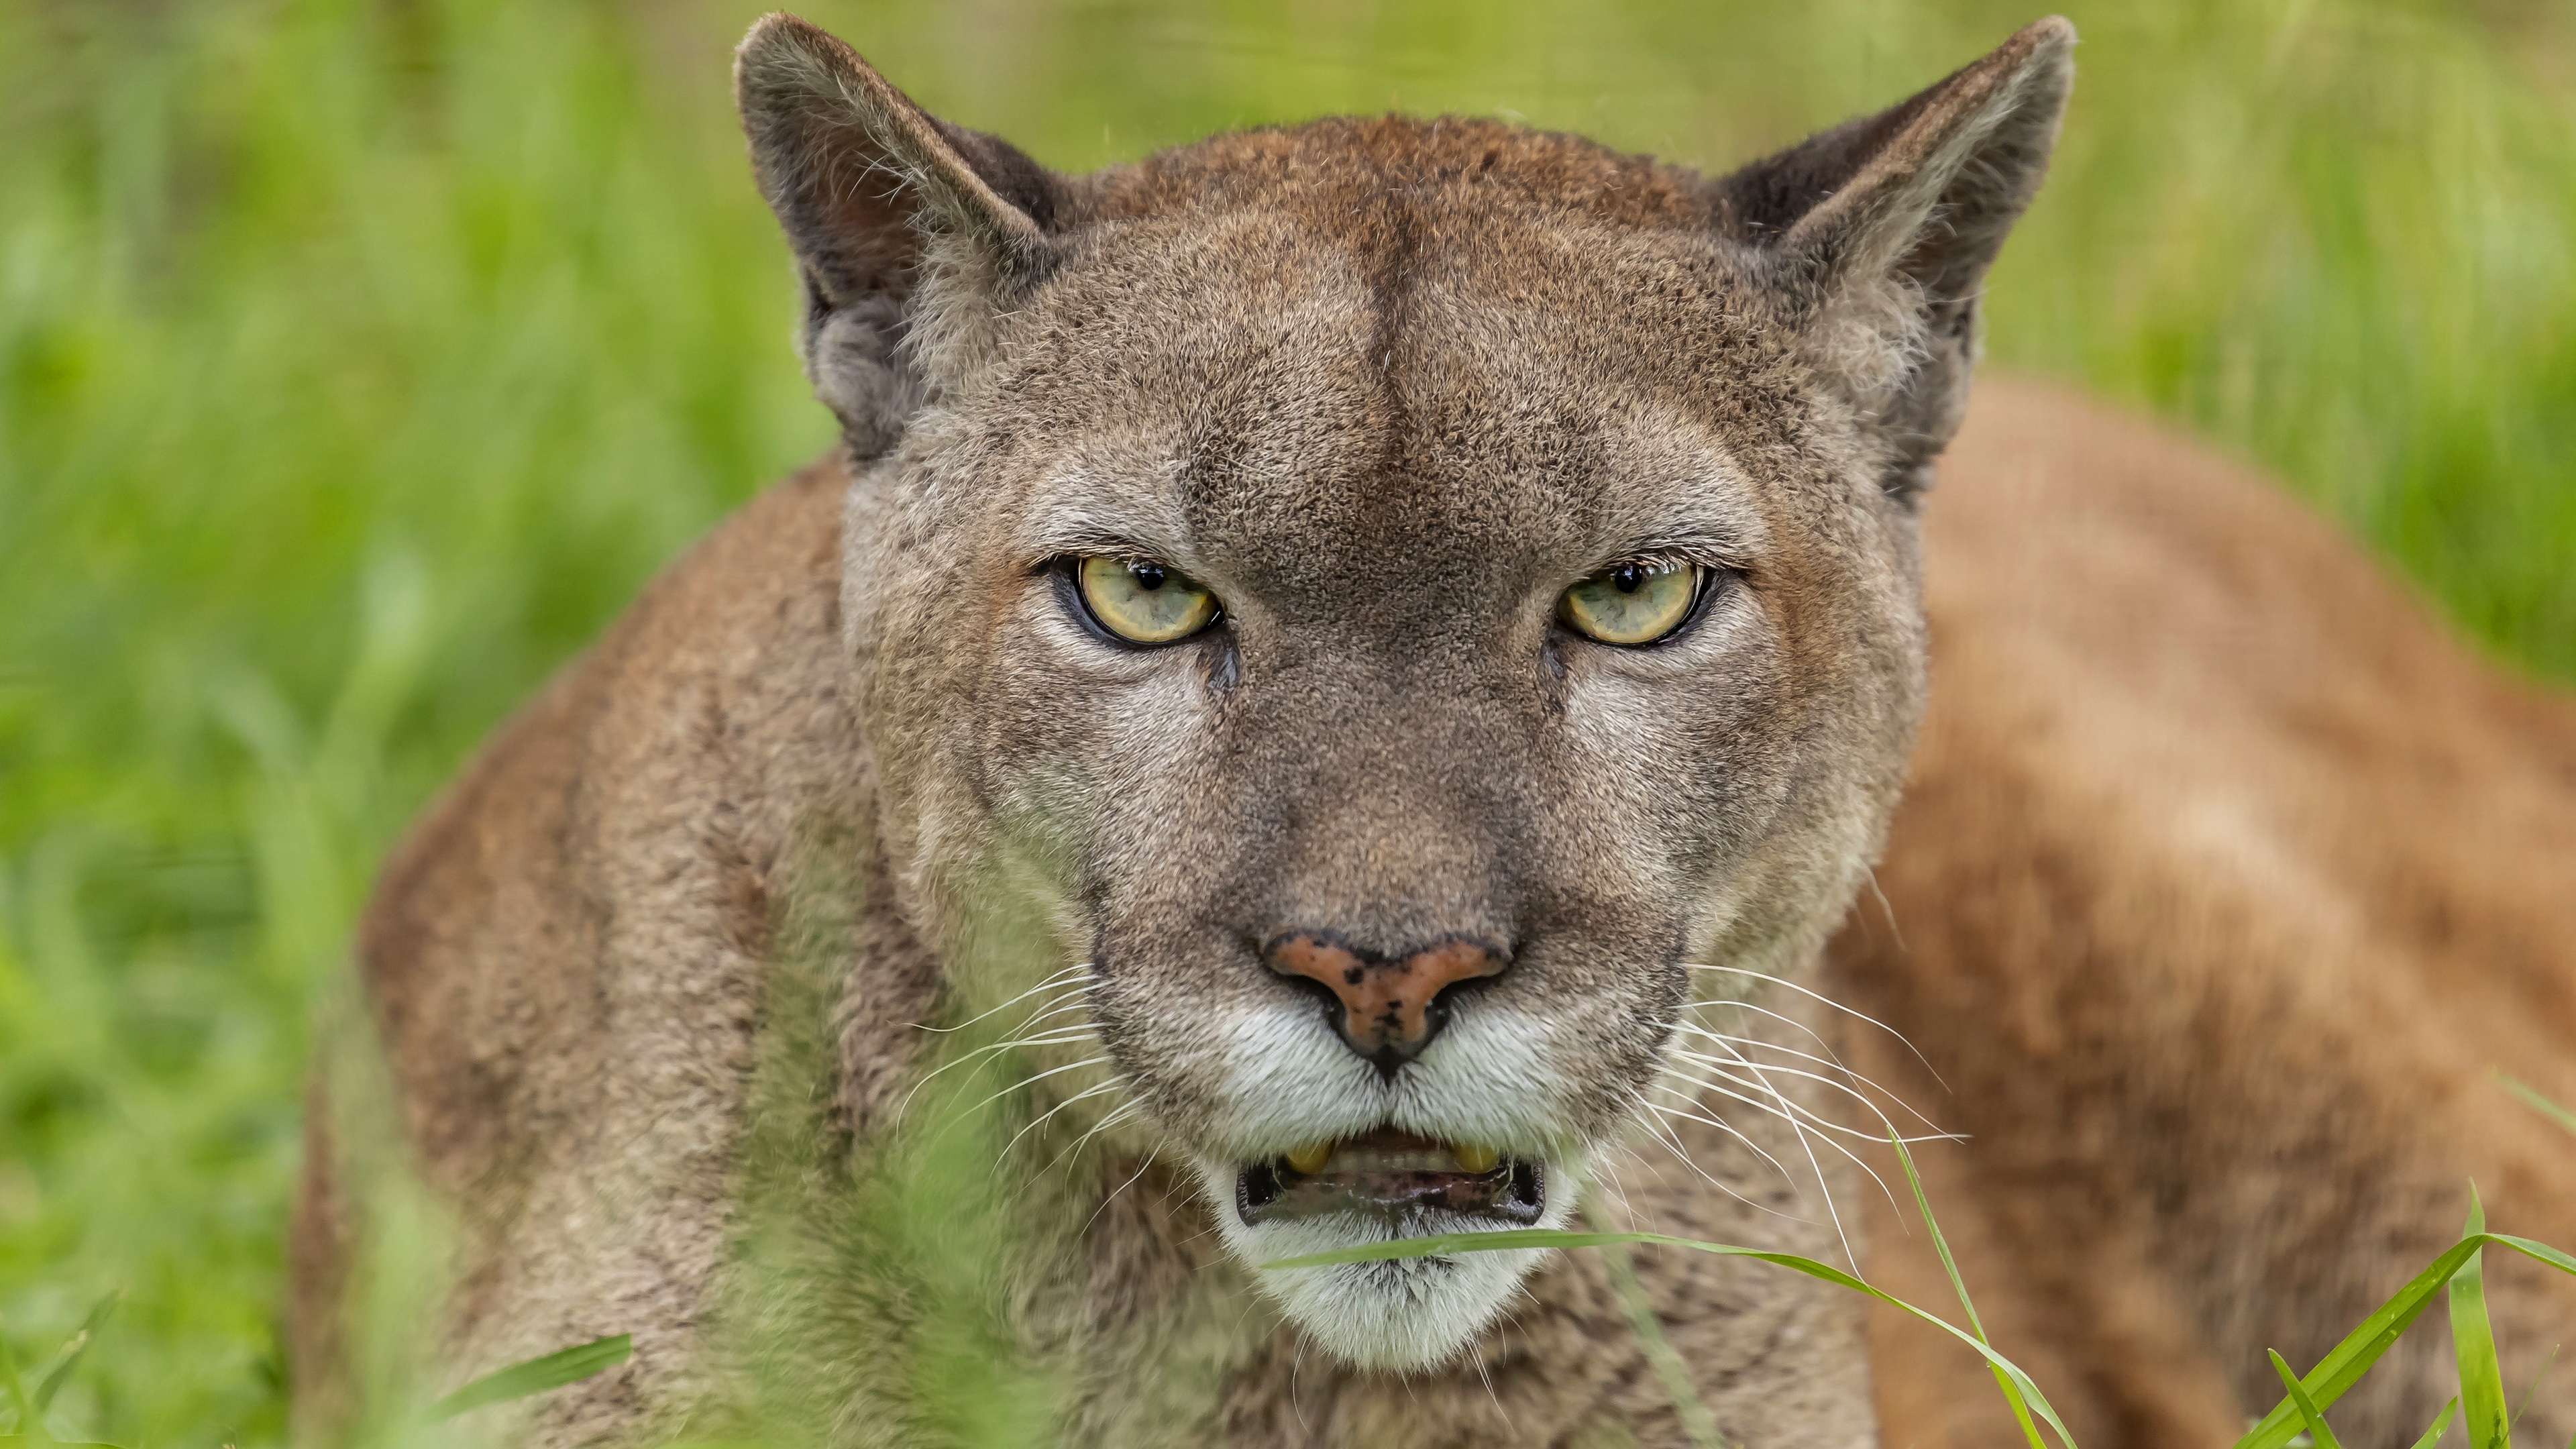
2225 876
2226 880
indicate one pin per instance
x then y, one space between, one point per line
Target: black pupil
1149 577
1628 578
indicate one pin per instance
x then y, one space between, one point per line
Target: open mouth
1394 1174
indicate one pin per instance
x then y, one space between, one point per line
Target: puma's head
1392 600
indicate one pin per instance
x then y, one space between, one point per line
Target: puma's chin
1402 1314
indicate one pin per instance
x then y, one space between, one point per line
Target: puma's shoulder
657 777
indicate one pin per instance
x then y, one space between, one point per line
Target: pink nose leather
1388 1007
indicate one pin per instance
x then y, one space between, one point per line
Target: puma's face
1388 779
1396 602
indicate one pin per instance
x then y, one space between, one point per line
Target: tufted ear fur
911 233
1880 231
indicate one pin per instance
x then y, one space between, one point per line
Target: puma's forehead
1266 402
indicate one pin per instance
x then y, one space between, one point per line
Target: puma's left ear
1880 230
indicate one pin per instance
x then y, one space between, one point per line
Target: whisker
1828 1001
1073 970
1100 1059
1781 1017
1499 1411
1799 1130
1122 1187
1825 1190
1762 1070
1021 1038
1611 1185
1756 1043
1035 1078
1776 1048
1296 1370
1042 1118
1791 1115
1666 1139
1637 1105
1054 1006
1760 1080
1120 1113
1054 1036
1632 1158
1884 908
1729 1128
1772 1103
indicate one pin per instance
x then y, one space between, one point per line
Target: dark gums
1514 1192
1255 1190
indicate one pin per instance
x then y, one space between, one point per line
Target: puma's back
2226 881
1387 648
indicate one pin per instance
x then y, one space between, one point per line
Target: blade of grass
2362 1347
60 1369
2533 1392
2539 1103
535 1376
31 1424
2319 1432
1697 1421
1959 1285
2441 1422
1440 1244
2482 1401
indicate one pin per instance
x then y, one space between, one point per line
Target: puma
1384 652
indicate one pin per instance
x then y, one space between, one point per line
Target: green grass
357 360
2456 1273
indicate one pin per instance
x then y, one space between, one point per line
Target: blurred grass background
358 358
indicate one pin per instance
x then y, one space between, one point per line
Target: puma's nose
1386 1008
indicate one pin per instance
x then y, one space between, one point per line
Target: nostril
1335 1012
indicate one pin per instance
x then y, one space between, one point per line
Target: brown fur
1386 386
2224 881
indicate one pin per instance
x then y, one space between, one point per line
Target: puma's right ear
912 234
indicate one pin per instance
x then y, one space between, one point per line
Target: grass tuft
535 1376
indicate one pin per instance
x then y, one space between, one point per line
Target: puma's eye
1634 603
1143 603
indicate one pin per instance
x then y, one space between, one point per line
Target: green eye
1634 603
1143 603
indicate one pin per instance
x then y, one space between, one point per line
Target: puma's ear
1881 230
912 234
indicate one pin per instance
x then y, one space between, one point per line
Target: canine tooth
1311 1158
1474 1158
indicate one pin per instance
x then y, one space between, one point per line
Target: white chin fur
1401 1315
